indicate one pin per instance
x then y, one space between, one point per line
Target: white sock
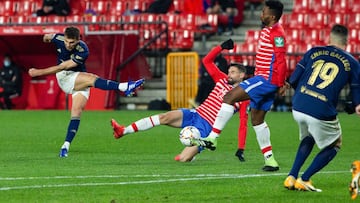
123 86
143 124
225 113
263 137
66 145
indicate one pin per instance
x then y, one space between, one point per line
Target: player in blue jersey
73 79
318 79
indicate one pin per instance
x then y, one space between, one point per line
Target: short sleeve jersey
79 54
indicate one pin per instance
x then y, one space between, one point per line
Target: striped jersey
270 56
212 104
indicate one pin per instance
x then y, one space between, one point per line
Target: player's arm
209 59
34 72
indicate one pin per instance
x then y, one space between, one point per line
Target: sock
263 137
104 84
231 23
143 124
304 150
225 113
320 161
72 129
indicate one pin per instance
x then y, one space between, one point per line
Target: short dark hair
276 7
239 66
72 33
341 32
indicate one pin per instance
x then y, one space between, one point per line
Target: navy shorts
261 92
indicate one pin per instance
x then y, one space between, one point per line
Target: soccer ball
188 133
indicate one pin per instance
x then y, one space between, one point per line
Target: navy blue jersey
319 78
79 54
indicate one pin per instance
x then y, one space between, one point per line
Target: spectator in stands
56 7
73 79
224 6
159 6
10 81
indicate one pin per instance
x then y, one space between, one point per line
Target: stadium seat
131 22
8 8
318 20
17 19
188 21
37 20
173 20
301 6
94 22
112 22
354 20
338 18
26 8
321 6
352 48
117 7
354 35
74 19
55 19
101 7
252 36
342 6
298 20
78 7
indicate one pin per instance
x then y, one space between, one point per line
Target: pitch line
181 179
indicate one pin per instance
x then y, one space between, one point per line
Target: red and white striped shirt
212 104
270 56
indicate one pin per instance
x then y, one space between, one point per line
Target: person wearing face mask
10 82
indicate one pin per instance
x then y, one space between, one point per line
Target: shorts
66 81
192 118
324 132
261 92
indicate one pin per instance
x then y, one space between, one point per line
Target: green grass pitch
140 167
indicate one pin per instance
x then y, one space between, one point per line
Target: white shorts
66 81
324 132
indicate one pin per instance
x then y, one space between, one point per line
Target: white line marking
193 178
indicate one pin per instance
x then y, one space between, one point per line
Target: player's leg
79 100
170 118
84 80
188 154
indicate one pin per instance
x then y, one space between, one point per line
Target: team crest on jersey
279 42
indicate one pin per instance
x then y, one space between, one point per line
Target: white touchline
171 179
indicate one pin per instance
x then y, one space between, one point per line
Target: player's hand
33 72
282 90
357 109
228 44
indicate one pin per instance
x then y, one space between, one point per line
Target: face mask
7 63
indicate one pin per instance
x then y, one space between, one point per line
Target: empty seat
101 7
8 8
117 7
298 20
26 7
301 6
318 20
321 6
341 6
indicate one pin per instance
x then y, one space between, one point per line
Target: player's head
236 73
271 12
72 37
339 36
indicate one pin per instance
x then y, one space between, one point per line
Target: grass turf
140 167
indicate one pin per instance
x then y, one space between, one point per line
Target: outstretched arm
34 72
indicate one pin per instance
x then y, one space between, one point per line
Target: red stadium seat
252 36
341 6
26 7
301 6
117 7
131 22
16 19
338 18
318 20
352 48
112 22
101 7
8 8
354 35
298 20
173 20
55 19
354 20
188 21
321 6
74 19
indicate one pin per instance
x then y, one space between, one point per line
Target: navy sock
106 84
231 23
72 129
320 161
303 152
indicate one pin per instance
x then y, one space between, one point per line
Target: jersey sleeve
81 54
210 66
355 84
278 40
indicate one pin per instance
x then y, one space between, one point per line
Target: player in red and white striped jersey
203 116
270 73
